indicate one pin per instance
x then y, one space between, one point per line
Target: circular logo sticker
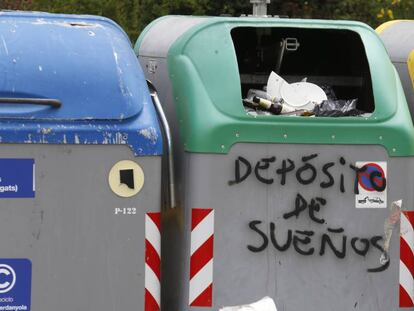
126 178
365 180
7 278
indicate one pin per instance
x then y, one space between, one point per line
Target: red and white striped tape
407 259
152 261
201 260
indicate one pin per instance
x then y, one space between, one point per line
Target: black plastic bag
329 91
337 108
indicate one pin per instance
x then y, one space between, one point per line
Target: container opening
333 59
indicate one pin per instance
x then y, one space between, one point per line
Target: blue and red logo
372 178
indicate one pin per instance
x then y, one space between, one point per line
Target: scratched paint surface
87 63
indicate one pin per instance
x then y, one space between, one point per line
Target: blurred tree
125 12
134 15
14 4
228 7
393 9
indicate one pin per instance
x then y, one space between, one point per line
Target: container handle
55 103
168 137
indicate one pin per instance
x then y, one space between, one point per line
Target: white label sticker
372 185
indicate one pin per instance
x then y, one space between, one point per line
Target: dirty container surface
80 167
398 37
296 208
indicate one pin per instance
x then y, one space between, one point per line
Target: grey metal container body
295 281
84 256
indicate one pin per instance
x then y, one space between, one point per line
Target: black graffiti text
270 170
307 243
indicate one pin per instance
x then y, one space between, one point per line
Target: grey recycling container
398 38
80 168
288 207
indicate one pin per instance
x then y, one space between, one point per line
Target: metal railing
169 145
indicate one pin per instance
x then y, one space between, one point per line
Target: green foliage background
134 15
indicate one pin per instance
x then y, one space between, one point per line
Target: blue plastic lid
86 62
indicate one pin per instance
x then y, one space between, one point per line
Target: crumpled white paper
264 304
299 95
390 223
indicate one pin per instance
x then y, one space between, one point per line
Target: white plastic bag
264 304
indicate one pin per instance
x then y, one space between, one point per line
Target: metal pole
260 7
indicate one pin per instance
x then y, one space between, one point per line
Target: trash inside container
300 208
398 37
80 168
